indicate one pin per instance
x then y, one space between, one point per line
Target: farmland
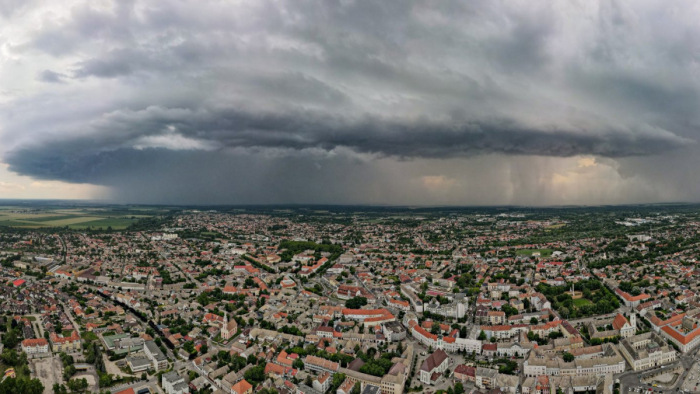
72 218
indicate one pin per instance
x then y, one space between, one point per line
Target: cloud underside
181 130
116 92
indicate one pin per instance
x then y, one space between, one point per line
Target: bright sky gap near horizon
351 102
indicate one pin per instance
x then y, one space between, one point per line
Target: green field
529 252
114 223
72 220
78 218
46 218
581 302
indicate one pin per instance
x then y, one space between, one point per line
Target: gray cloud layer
341 85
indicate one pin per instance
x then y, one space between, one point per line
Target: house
346 387
323 382
489 349
496 317
242 387
464 373
485 377
506 383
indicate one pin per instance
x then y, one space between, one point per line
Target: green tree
356 302
21 385
68 372
298 364
10 357
105 380
12 338
78 385
255 374
189 347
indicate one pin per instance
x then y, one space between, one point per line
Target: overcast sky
374 102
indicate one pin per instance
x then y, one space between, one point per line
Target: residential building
242 387
68 344
174 384
158 359
35 347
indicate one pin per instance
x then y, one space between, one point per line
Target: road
593 318
65 248
69 313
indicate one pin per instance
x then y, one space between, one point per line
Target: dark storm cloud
223 129
51 76
103 68
410 81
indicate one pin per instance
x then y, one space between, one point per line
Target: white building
153 352
445 343
174 383
646 351
539 363
35 347
455 309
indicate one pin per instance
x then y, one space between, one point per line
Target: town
313 300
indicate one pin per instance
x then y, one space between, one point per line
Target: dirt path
112 368
48 371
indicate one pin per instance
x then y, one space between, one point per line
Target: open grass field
116 223
581 302
529 252
78 218
555 226
66 221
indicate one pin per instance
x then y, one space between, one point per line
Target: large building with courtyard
684 333
646 351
